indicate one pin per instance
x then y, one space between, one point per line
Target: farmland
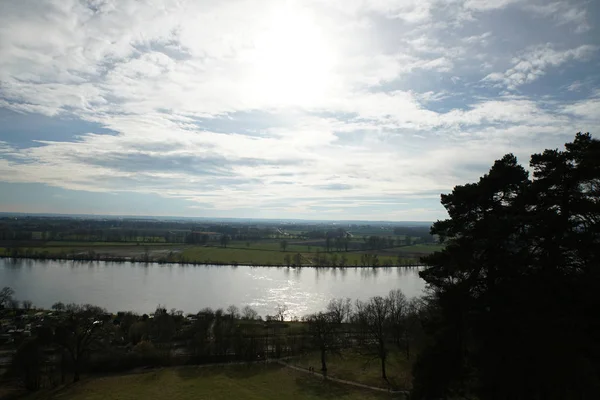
307 244
256 253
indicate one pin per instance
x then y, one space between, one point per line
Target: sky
310 109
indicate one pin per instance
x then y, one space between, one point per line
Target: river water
141 287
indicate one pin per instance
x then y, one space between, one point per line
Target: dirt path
405 393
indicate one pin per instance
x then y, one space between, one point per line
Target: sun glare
292 60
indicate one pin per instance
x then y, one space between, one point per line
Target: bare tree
321 327
398 312
249 313
283 244
281 311
58 306
27 304
224 240
328 243
339 309
373 316
298 259
79 332
343 260
413 327
233 311
6 295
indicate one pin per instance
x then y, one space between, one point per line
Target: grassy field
101 244
257 253
231 382
422 248
276 246
231 255
366 369
271 257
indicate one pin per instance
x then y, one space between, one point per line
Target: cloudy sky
320 109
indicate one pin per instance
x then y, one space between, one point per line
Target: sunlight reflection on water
141 287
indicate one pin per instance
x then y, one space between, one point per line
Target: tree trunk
75 371
323 363
63 368
383 374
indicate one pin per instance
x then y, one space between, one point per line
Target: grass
229 255
214 254
258 253
354 366
275 246
49 250
354 258
422 248
58 243
230 382
68 248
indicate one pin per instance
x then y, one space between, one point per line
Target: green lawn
230 255
231 382
353 366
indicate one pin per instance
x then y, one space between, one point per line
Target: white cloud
587 111
411 11
482 39
534 62
224 104
575 86
486 5
562 12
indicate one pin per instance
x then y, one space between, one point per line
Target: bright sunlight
293 60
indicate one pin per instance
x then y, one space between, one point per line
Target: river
141 287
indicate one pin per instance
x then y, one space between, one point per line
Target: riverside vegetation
52 347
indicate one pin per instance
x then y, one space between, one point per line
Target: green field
232 255
353 366
422 248
275 246
231 382
253 253
60 243
272 257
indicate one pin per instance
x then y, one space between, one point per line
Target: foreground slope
230 382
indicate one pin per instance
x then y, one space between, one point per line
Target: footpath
405 393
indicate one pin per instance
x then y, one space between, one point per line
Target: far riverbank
264 254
